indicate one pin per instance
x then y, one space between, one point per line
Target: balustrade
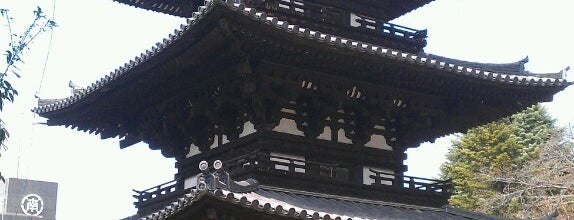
329 18
290 166
157 192
410 182
300 168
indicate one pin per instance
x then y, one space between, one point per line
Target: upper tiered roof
364 20
254 63
379 9
454 95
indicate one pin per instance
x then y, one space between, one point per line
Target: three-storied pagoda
310 103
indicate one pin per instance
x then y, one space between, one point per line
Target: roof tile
429 60
291 203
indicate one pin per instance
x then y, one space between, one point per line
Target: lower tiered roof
278 203
232 65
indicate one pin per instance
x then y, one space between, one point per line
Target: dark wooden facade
327 107
384 10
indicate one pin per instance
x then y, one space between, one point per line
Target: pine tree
540 186
491 150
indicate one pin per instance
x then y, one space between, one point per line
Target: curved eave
379 9
407 7
305 205
387 9
180 8
516 68
443 66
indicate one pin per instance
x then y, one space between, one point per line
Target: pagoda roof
497 82
290 203
181 8
514 68
504 73
388 9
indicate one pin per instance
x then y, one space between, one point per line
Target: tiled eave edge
516 68
331 40
424 2
127 67
281 208
163 7
172 7
239 199
286 209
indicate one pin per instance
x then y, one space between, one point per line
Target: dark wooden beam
129 140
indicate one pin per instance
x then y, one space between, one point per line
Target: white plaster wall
288 126
379 142
326 135
290 156
342 138
248 128
368 181
193 150
190 182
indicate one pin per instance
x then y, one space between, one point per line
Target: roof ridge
329 39
523 60
350 199
246 200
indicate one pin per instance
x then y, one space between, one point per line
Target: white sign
32 204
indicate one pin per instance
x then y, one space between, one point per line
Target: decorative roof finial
75 88
217 178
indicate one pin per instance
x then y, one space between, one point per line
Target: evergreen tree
491 150
541 186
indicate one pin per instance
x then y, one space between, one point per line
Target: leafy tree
16 46
539 186
492 150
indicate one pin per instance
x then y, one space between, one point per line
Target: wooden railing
297 168
415 183
290 166
156 192
280 164
384 28
314 15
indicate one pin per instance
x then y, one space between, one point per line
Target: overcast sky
94 37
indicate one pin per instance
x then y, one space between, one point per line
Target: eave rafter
259 71
380 9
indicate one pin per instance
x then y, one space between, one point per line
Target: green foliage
534 128
492 149
16 45
542 185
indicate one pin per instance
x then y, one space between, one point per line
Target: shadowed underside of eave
179 75
379 9
277 203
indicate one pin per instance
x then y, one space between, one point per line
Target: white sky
94 37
